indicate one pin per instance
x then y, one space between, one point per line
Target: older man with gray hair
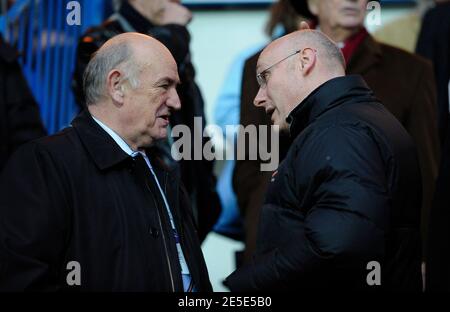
95 207
166 21
343 209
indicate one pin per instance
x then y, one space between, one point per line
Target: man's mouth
165 117
351 11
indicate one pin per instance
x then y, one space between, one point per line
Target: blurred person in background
165 20
434 44
403 82
403 32
20 119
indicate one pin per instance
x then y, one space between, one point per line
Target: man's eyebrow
168 80
259 67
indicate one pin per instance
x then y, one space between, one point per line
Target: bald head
291 67
329 55
131 88
129 53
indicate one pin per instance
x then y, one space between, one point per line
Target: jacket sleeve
32 222
346 223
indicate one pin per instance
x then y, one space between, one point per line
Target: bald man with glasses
342 211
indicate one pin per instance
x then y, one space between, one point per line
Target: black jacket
197 175
20 121
438 260
76 196
403 82
347 193
434 44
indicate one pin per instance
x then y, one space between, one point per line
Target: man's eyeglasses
261 77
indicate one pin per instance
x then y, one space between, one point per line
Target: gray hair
327 50
107 58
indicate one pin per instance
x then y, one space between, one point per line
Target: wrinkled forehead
270 55
167 64
156 55
160 69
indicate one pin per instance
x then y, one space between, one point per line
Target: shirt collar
122 144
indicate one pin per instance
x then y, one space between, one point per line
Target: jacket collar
327 96
106 153
367 54
100 145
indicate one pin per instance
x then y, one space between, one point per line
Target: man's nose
260 98
174 100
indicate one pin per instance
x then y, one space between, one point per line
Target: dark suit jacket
403 82
77 196
434 43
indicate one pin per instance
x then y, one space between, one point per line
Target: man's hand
175 13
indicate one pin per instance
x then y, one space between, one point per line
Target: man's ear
308 60
304 26
115 85
313 8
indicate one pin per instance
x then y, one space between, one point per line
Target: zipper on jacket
164 241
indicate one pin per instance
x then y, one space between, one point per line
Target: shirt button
154 232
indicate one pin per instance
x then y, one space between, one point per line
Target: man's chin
282 126
351 22
284 131
162 135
